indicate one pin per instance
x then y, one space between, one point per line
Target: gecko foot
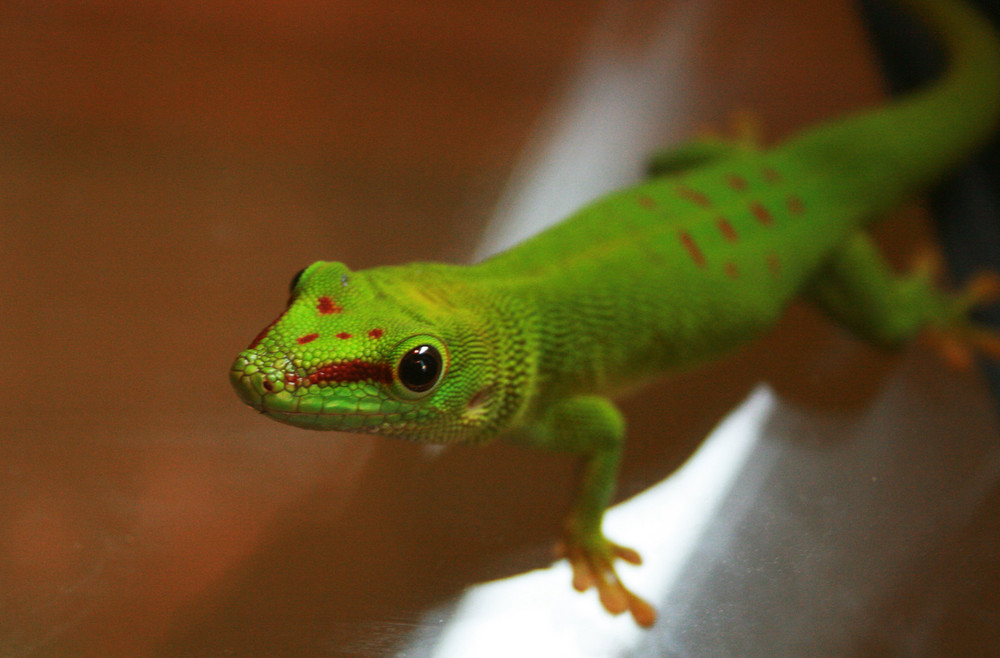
593 566
960 340
742 129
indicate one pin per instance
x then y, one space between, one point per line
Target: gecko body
534 343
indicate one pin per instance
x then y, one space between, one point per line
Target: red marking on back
343 335
795 205
761 214
770 175
342 372
731 270
692 248
308 338
694 196
375 333
327 306
736 182
263 332
646 202
774 263
727 229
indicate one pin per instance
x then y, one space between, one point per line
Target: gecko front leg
592 427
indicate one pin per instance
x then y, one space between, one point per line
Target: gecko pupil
420 368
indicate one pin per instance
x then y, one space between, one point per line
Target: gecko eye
420 368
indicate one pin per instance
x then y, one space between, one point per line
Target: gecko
534 345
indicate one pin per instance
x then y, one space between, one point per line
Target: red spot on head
795 205
732 271
761 214
647 202
727 229
692 248
308 338
375 333
327 306
694 196
736 182
343 335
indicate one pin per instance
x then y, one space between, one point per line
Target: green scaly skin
534 343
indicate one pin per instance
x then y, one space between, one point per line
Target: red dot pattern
327 306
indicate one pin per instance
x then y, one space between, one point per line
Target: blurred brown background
166 167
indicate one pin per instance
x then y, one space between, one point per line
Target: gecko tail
926 133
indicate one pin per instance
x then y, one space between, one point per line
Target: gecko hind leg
858 288
960 342
743 134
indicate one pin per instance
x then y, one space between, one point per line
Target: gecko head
369 352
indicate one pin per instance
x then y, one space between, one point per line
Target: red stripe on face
692 248
308 338
344 372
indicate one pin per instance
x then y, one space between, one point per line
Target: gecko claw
742 129
961 340
982 290
593 566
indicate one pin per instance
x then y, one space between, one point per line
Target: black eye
295 281
420 368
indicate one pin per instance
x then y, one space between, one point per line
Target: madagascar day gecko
700 258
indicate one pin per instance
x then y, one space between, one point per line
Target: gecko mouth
337 396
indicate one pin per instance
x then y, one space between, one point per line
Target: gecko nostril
268 385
